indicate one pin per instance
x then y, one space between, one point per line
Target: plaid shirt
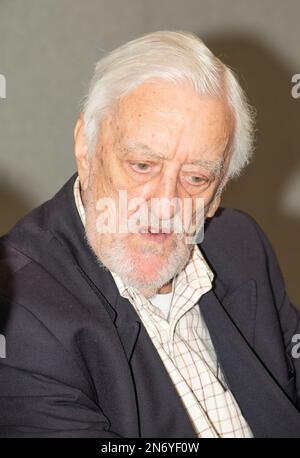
185 347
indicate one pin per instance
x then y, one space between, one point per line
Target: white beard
117 258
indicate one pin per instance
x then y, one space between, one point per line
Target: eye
196 180
141 167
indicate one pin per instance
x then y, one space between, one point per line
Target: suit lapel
263 403
163 414
128 325
240 305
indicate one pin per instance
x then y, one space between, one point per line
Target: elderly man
120 322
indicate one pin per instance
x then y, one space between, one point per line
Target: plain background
48 49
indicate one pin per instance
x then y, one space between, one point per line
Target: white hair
175 57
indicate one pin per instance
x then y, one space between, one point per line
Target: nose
164 202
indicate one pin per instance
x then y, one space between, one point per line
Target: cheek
206 198
117 177
211 199
103 182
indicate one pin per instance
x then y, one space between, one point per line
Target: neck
167 288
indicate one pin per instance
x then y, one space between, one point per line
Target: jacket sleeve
38 397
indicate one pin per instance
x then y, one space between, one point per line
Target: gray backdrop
47 53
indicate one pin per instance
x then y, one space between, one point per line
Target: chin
146 266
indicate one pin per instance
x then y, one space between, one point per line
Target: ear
214 206
81 153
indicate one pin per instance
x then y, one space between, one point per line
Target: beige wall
47 52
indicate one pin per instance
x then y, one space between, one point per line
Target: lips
150 230
154 234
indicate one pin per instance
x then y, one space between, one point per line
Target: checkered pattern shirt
185 348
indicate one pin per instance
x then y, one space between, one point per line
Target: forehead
169 116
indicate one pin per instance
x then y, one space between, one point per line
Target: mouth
154 235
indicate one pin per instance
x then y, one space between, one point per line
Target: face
160 143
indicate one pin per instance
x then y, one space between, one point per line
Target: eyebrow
214 167
133 146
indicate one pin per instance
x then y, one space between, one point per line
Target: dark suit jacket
79 361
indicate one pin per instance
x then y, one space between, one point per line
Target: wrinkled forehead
168 115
